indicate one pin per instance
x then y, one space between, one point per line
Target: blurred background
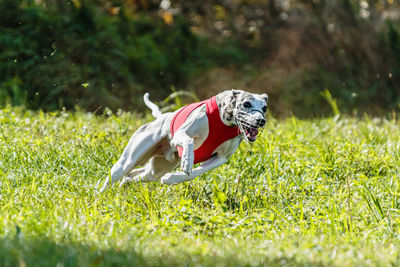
106 53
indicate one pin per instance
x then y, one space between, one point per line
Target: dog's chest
202 122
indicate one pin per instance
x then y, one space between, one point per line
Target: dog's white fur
152 143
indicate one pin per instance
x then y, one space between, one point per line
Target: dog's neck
226 102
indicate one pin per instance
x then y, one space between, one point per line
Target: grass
308 192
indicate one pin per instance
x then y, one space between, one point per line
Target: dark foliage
68 54
95 54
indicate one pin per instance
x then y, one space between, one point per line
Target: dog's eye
247 104
264 109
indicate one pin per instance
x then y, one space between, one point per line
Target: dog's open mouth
250 133
249 125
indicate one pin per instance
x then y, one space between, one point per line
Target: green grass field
308 192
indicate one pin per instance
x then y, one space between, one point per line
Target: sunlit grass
323 191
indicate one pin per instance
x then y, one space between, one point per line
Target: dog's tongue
253 133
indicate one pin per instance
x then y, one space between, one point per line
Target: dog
209 132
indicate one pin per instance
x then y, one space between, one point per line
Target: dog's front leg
179 177
187 143
189 135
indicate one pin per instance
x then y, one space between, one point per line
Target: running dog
209 131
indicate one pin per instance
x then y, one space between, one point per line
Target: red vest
218 132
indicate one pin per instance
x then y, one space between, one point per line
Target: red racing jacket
218 132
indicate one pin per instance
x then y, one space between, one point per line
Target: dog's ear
230 105
235 92
233 98
265 96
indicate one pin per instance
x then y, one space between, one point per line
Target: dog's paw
105 185
168 179
173 178
125 182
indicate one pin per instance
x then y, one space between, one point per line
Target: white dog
209 131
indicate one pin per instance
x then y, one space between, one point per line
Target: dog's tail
155 111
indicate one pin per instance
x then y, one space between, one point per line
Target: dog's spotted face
249 113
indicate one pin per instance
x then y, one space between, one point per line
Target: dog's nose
261 122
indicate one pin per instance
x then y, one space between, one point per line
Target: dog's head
247 111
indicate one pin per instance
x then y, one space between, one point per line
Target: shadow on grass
42 252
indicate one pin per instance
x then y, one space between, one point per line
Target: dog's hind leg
142 145
136 172
154 169
129 178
